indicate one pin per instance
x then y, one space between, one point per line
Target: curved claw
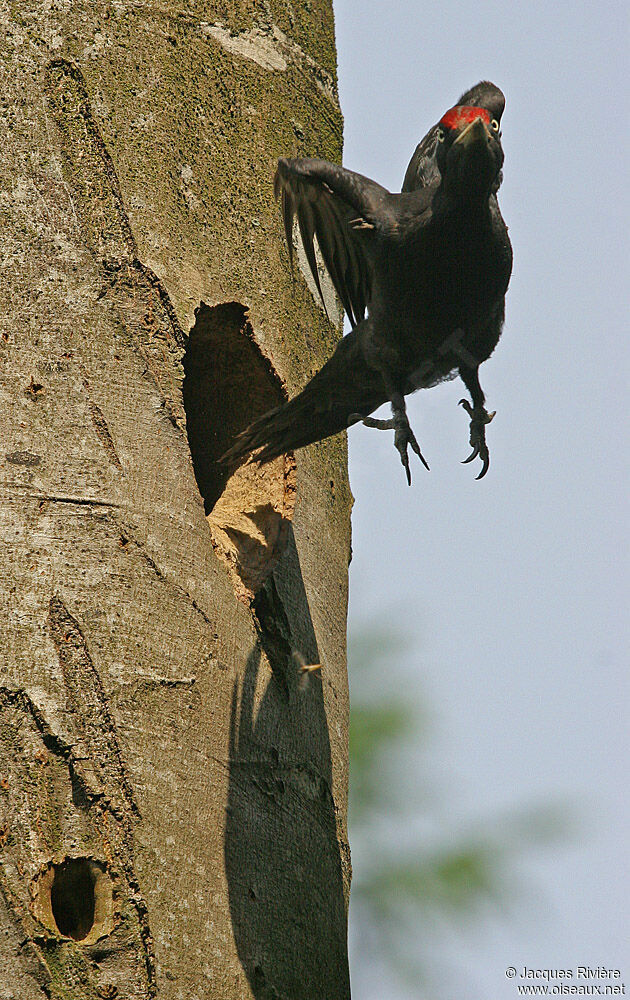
400 442
479 417
486 466
472 455
416 447
403 438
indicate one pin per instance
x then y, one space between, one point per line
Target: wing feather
342 211
325 224
307 226
288 214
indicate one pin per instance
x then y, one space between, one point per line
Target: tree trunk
172 783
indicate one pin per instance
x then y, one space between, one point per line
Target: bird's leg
479 417
383 358
403 434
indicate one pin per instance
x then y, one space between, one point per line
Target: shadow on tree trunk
282 858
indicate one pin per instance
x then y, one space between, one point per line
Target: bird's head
469 153
423 170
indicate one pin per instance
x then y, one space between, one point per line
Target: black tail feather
344 386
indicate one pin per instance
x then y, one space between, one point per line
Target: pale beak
473 133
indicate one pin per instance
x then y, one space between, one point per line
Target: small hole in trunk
72 898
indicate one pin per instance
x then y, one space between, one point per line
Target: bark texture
172 795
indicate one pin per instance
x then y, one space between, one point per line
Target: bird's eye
494 125
441 135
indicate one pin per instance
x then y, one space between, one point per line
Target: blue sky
513 590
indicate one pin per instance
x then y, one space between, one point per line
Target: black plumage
422 276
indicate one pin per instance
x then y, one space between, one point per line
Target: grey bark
172 785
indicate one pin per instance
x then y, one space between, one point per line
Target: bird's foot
479 417
404 438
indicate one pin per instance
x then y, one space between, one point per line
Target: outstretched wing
343 210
